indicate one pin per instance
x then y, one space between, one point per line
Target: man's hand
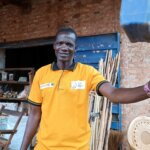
147 88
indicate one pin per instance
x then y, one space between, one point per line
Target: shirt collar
72 67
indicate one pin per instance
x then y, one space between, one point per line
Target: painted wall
88 17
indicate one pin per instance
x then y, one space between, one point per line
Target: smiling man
59 99
64 47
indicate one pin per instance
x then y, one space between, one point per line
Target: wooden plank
12 100
14 82
16 69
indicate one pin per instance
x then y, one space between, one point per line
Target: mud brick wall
88 17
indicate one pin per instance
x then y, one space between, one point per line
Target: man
59 99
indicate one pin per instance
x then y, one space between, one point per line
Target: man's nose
64 46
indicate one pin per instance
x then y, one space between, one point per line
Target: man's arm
123 95
32 125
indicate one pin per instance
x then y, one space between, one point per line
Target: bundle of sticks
100 112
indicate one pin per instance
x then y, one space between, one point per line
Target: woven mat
139 133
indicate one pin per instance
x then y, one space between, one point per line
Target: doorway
35 57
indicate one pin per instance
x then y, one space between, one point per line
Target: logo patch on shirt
46 85
78 85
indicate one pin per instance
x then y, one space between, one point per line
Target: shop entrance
29 57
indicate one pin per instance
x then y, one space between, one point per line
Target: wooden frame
4 143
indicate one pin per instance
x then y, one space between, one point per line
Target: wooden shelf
16 69
14 82
12 100
17 84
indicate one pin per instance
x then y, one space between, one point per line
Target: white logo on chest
46 85
77 84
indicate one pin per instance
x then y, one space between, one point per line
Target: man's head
65 44
66 30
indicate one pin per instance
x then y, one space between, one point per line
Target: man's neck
64 64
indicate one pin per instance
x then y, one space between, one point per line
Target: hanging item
135 19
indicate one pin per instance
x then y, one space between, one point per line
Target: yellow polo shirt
63 96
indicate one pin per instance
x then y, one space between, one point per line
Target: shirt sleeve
35 96
96 79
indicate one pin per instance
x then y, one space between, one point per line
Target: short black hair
66 30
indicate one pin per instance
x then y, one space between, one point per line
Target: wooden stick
100 126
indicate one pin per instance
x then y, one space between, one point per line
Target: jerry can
135 19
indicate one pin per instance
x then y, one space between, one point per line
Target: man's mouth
63 55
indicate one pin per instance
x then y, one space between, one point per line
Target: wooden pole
100 124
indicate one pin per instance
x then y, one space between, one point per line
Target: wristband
147 89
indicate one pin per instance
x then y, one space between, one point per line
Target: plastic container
135 19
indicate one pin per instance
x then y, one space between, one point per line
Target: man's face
64 46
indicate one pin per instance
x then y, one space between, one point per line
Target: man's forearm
29 134
31 129
129 95
123 95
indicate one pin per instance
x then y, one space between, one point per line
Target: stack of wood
100 107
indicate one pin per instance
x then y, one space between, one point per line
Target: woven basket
139 133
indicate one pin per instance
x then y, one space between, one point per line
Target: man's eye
69 44
59 43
